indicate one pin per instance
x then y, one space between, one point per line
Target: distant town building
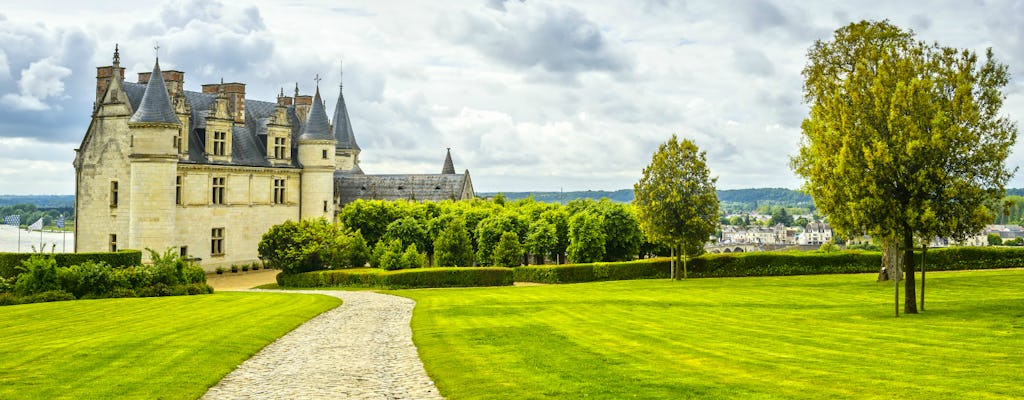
816 233
207 173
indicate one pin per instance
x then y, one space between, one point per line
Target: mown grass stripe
824 336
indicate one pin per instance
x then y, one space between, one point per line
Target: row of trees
402 234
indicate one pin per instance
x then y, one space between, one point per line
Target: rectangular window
219 140
184 251
279 148
218 190
113 194
325 154
177 190
325 206
217 242
113 242
278 191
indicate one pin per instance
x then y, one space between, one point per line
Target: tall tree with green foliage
676 201
508 252
453 246
586 238
904 138
541 240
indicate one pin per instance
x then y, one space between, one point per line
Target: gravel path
360 350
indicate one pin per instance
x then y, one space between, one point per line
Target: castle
207 173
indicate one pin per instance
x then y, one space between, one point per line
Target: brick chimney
103 75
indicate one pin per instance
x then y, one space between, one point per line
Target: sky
529 95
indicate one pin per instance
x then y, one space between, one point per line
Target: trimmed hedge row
9 262
401 279
601 271
773 264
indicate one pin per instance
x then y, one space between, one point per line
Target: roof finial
282 92
317 79
222 80
341 72
296 89
117 55
156 51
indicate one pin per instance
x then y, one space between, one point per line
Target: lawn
824 336
150 348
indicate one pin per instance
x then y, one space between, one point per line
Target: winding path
361 350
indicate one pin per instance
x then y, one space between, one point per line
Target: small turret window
325 154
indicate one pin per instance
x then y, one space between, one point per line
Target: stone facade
208 173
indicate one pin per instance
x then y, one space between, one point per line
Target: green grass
150 348
827 336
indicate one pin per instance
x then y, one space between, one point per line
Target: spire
317 127
449 166
117 56
343 125
156 104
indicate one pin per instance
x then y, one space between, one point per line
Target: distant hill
41 201
772 196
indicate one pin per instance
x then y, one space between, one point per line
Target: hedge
401 279
601 271
9 262
773 264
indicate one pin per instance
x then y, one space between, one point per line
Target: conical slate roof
316 127
449 166
156 104
343 126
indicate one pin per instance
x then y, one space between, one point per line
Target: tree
453 247
994 239
676 201
586 238
737 221
904 139
780 216
409 231
508 252
622 236
541 240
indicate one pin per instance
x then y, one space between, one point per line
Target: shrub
38 275
508 252
245 268
234 268
48 296
453 246
412 258
611 271
255 266
9 262
311 245
220 270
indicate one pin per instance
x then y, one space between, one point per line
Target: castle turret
153 166
346 150
316 155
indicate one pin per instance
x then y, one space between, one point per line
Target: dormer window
279 148
219 141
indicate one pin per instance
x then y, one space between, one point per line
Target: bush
311 245
38 275
48 296
9 262
245 268
234 268
403 279
220 270
508 252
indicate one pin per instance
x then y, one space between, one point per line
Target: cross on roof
317 79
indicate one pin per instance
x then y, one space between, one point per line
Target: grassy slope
167 348
783 337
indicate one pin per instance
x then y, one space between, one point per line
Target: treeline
618 196
41 201
30 213
732 201
400 234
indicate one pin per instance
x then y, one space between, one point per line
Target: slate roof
155 105
317 127
343 125
422 187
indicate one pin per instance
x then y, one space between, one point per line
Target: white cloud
42 80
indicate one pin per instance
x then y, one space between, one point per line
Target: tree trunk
910 296
924 252
682 255
672 263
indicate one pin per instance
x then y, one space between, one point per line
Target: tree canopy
904 138
675 198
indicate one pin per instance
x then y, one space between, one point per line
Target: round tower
317 157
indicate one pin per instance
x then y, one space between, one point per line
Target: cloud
554 38
753 61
